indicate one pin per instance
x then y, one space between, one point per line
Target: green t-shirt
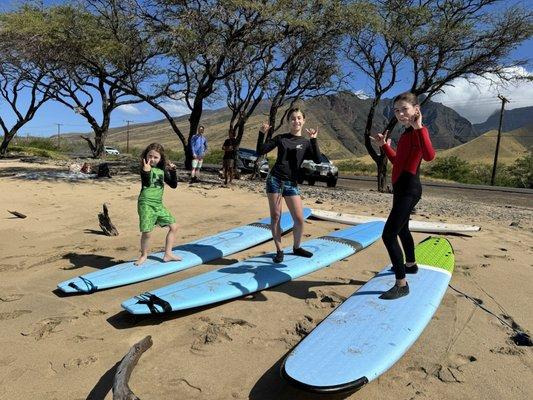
153 183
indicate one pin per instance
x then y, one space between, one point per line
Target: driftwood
106 224
121 390
17 214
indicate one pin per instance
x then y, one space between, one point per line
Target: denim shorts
285 187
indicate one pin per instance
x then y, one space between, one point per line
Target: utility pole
58 134
493 177
128 136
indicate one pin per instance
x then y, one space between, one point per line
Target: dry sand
68 347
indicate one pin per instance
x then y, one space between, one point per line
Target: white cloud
176 107
129 109
477 98
361 94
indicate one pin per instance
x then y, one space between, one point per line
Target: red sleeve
389 152
428 153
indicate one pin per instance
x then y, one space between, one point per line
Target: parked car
325 172
246 159
111 150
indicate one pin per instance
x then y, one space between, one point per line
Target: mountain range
341 119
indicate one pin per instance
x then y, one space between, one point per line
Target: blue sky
474 102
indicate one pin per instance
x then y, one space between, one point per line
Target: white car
111 150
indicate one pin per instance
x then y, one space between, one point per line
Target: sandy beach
68 347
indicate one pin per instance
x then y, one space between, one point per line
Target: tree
245 91
442 41
375 51
98 50
307 62
153 80
24 86
211 41
86 52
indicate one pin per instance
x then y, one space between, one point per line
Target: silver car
325 172
246 161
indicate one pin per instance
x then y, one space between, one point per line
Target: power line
58 134
128 135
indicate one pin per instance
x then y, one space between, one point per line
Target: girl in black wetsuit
413 146
283 178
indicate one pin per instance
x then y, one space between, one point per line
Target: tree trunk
272 120
382 174
194 123
379 159
90 143
5 143
99 141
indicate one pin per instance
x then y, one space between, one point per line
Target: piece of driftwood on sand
105 223
16 214
121 390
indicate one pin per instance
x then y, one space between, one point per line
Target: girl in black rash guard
282 180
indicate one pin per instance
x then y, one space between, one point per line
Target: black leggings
398 225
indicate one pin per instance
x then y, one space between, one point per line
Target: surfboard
192 254
414 225
365 335
254 274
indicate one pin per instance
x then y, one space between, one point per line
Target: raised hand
416 120
312 133
171 166
146 165
380 138
265 127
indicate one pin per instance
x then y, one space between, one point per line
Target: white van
111 150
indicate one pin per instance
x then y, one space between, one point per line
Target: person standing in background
198 148
228 162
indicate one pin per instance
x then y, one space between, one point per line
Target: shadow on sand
272 386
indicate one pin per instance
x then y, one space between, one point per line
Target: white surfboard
414 226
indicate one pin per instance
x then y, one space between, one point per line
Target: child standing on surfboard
282 181
155 172
413 146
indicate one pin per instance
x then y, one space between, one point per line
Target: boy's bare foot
141 259
171 257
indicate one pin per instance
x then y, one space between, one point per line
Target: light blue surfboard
254 274
195 253
365 335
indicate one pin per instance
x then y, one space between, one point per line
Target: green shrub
521 172
34 151
356 167
214 157
451 168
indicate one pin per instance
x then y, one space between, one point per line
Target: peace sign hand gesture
146 165
312 133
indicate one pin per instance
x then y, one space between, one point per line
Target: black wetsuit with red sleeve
413 146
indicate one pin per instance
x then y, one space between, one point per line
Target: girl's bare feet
171 257
141 259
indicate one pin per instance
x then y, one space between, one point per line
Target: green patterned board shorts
151 215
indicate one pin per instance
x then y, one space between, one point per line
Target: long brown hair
159 148
408 97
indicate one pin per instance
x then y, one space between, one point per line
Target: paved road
487 194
